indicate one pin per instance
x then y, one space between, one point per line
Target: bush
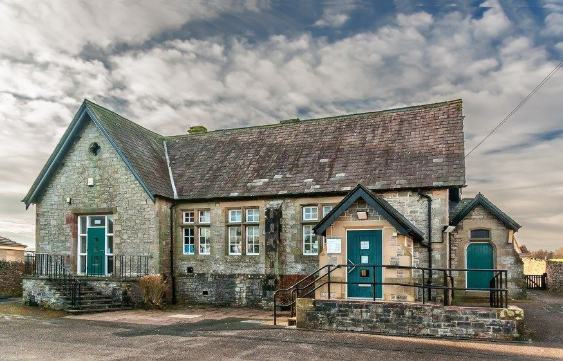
153 288
287 281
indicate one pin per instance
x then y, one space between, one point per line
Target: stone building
227 215
11 251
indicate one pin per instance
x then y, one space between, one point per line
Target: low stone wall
400 318
225 289
534 266
554 271
11 278
40 292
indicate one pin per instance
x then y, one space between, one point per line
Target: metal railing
55 269
118 266
536 282
498 286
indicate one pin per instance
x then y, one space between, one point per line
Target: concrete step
97 310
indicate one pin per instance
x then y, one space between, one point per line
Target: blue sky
171 64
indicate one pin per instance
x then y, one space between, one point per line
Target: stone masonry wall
115 191
534 266
11 278
39 292
394 318
291 260
505 256
555 276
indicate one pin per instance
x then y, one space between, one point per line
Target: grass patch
19 309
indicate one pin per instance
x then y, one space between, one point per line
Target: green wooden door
96 251
364 247
479 256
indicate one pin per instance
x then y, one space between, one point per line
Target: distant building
10 250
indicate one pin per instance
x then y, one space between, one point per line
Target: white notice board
333 245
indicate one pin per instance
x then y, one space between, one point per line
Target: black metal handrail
55 269
498 286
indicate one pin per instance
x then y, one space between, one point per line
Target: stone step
292 321
96 310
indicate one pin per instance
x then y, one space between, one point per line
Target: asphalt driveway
212 334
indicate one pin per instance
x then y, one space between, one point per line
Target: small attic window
480 234
95 148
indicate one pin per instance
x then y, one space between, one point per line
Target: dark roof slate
466 205
415 147
8 242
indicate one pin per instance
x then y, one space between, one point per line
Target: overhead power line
518 106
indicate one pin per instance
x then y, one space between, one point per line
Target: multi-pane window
243 226
204 216
310 213
189 217
480 234
197 234
235 240
253 240
204 245
189 240
310 241
326 210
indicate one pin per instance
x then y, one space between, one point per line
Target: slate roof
387 211
142 147
459 211
8 242
413 147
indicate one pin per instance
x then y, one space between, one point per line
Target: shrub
153 287
286 281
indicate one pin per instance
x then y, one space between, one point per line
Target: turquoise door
479 256
364 248
96 251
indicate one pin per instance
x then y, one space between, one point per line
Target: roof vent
197 129
288 121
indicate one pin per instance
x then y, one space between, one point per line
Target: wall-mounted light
90 182
362 215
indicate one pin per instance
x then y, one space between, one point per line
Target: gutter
429 205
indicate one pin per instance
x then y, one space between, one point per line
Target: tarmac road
241 338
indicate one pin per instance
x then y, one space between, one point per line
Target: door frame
494 259
106 235
382 269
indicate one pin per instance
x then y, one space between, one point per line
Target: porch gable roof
467 205
387 211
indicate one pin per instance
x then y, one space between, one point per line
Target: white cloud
336 15
230 81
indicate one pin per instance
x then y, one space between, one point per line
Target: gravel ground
243 338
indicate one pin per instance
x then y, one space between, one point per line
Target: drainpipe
429 203
172 278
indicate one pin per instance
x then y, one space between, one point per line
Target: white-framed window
310 213
310 241
205 216
189 240
82 244
235 215
253 215
326 210
189 216
109 244
253 240
204 243
235 240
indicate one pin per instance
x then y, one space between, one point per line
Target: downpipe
429 205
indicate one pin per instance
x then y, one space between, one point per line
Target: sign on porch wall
333 245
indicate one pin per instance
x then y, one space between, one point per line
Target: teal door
96 251
364 248
479 256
